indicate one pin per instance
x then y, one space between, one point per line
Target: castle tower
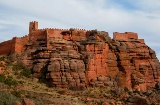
33 26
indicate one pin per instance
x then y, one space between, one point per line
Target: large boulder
27 102
137 100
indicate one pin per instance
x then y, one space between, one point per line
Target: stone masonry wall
7 47
21 43
14 45
125 36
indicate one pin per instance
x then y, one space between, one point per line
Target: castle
42 37
77 58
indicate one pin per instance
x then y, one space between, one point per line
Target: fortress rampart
7 47
19 44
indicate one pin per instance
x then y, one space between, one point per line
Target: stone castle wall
125 36
14 45
21 43
7 47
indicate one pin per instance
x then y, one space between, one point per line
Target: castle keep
77 58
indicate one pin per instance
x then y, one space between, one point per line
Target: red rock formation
2 66
78 58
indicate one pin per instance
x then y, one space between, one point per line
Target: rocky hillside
19 87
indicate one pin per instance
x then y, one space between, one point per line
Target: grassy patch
7 98
2 78
18 93
24 70
8 80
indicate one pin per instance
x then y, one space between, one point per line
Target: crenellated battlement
55 29
33 26
61 29
78 29
5 42
19 38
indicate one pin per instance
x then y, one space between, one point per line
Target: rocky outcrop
78 58
137 100
25 101
2 66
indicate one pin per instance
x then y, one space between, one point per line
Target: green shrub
2 78
2 58
24 71
8 80
18 93
42 78
17 67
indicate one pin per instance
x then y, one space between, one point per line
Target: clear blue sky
141 16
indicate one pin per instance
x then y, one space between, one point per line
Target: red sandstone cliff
77 58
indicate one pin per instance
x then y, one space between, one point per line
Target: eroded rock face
138 63
79 58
